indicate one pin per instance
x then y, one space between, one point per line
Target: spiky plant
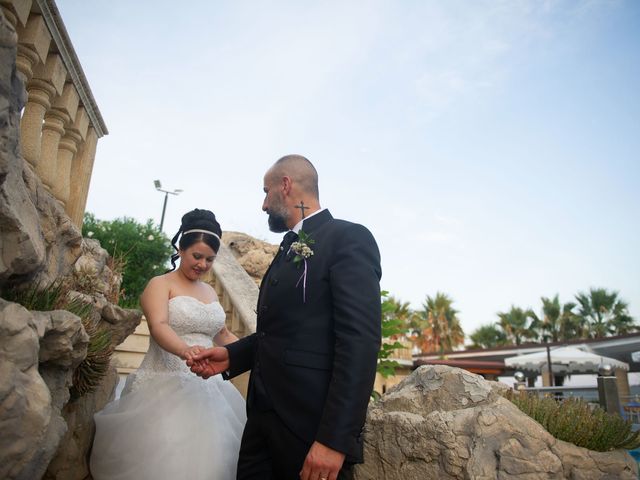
89 374
41 298
575 421
55 296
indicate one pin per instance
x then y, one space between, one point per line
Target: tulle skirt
171 427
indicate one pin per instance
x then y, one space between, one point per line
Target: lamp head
157 184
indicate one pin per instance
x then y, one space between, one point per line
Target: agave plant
89 374
55 296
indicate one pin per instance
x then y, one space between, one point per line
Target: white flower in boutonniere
302 249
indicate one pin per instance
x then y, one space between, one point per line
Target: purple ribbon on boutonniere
302 249
303 277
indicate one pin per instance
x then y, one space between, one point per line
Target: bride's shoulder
159 283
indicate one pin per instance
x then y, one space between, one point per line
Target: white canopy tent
565 360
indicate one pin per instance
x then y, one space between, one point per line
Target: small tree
142 249
604 313
518 324
488 336
391 329
442 330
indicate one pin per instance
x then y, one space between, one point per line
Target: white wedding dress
169 423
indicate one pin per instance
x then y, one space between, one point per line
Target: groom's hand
322 462
209 362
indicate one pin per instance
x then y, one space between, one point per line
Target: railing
606 391
61 123
589 394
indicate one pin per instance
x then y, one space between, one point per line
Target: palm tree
399 310
442 330
604 313
558 322
488 336
516 325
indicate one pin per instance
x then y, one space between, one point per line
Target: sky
491 147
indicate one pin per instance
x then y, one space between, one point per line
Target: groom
313 356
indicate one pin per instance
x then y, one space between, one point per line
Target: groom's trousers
270 451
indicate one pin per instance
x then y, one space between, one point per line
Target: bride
168 423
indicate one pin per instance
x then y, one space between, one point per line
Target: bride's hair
196 219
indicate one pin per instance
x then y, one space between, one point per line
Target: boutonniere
302 249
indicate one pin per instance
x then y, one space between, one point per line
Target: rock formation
253 255
446 423
38 241
39 351
38 354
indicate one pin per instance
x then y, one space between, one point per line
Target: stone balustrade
61 123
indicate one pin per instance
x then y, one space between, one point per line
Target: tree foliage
517 324
392 328
488 336
142 250
604 313
441 327
596 314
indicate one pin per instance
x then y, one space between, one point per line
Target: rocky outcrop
38 353
446 423
70 459
38 241
252 254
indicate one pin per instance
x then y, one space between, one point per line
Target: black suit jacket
313 357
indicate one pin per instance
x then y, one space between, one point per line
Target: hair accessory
198 230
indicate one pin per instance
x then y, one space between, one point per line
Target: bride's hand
188 353
211 361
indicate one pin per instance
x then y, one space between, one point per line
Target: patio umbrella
564 360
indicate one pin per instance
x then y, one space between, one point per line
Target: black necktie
288 239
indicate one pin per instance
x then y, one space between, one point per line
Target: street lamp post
158 186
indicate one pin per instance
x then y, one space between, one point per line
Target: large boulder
252 254
38 353
446 423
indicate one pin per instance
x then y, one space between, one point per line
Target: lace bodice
195 322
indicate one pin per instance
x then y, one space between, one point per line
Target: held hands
321 463
189 352
209 362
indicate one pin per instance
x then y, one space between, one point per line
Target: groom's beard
277 222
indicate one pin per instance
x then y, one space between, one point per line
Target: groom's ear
287 183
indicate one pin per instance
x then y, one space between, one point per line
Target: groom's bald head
300 170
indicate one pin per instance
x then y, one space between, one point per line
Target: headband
198 230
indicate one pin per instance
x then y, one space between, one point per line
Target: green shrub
141 251
575 421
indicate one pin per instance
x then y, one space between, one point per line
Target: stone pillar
82 168
16 11
622 379
65 106
33 46
66 152
56 120
48 80
67 155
